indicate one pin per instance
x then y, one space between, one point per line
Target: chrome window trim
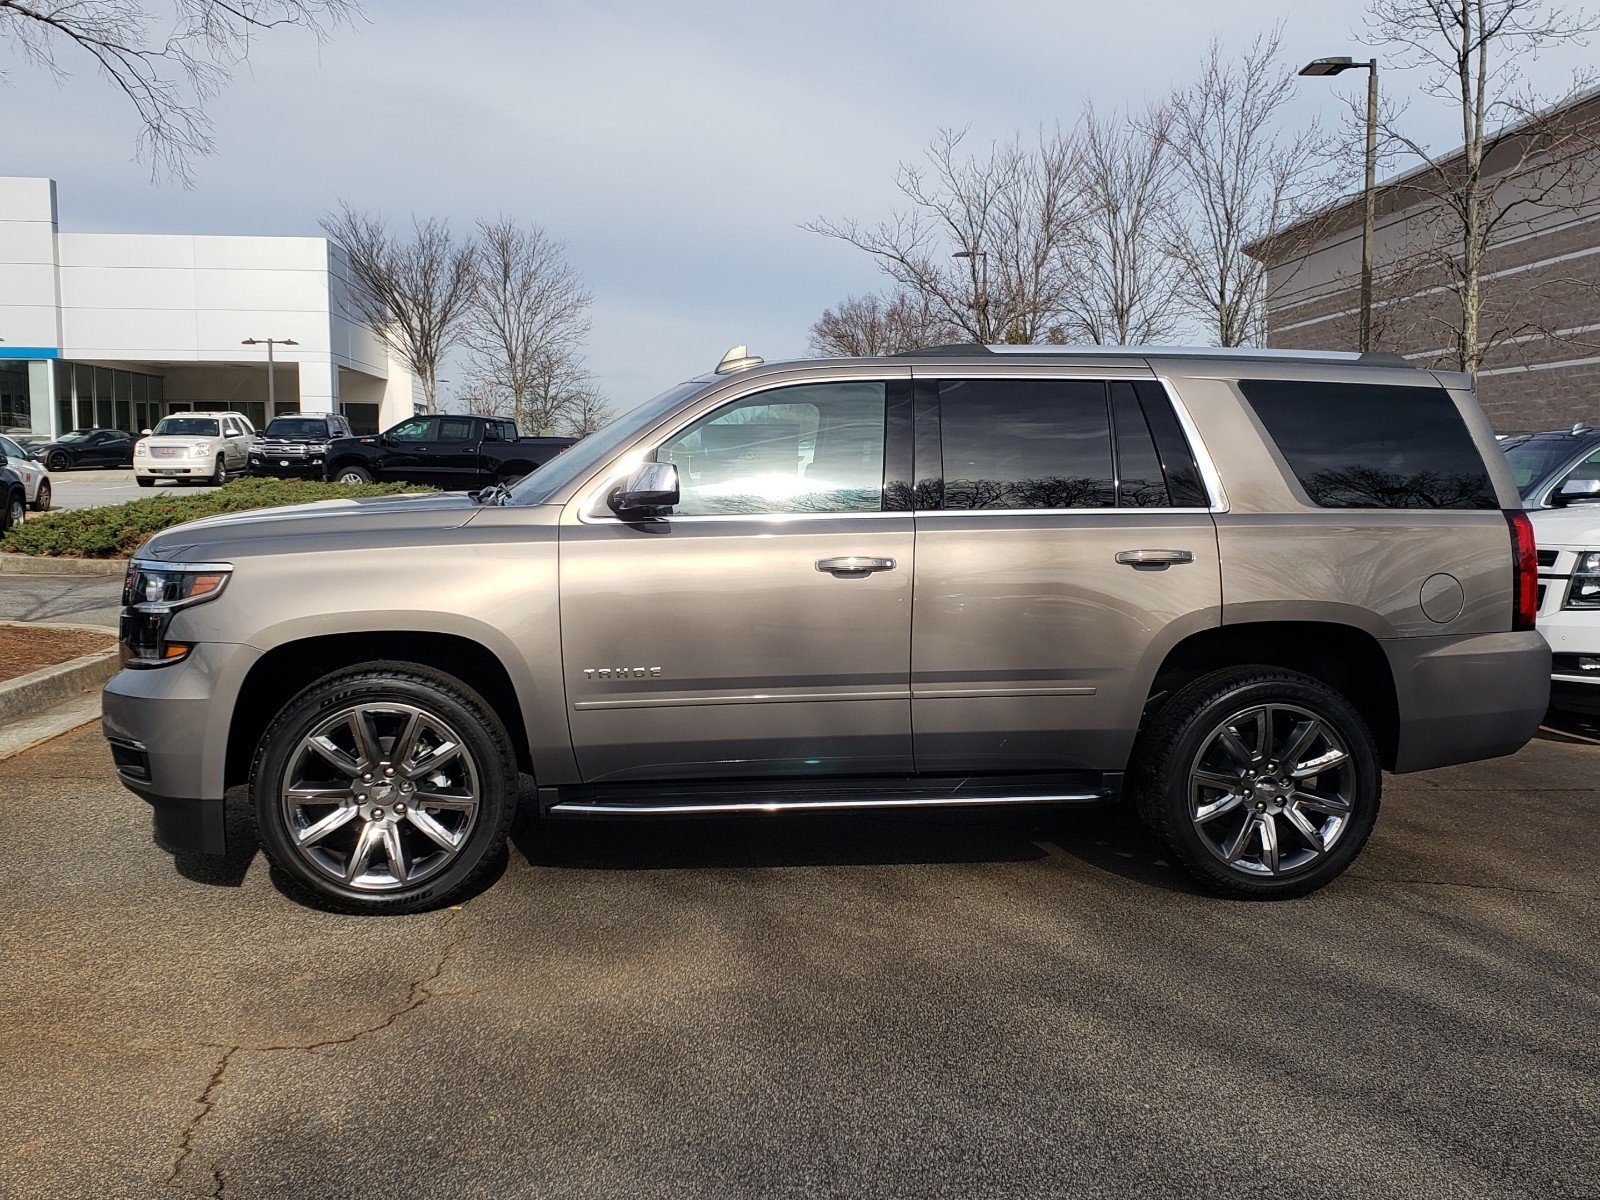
1210 478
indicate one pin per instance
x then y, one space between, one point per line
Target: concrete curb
40 564
18 736
28 695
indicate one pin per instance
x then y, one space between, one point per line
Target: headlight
1584 590
200 448
140 448
151 593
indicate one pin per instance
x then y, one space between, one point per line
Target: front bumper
168 728
285 466
174 468
1467 698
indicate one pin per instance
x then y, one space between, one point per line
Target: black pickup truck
456 453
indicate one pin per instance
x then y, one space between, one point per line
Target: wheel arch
292 666
1344 657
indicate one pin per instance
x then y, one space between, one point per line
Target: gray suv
1230 587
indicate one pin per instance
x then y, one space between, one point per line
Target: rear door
455 457
1063 544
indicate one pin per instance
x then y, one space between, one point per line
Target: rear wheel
1263 783
353 475
41 498
385 788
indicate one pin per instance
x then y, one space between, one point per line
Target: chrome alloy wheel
380 796
1271 790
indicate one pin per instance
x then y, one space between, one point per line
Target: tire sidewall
356 476
43 497
1206 709
482 734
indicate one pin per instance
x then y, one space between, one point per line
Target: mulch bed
25 648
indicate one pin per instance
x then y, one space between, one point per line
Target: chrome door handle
854 564
1160 559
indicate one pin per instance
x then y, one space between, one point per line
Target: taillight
1524 572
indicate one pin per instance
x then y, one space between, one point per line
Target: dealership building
116 330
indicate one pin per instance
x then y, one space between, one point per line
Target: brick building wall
1540 287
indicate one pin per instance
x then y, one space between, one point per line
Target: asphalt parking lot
92 487
908 1006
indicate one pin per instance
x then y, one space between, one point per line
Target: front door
1064 544
764 627
407 451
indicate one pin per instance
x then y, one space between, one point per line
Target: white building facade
114 331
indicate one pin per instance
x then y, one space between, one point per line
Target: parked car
456 453
1230 587
194 447
13 499
1558 476
85 448
35 479
295 446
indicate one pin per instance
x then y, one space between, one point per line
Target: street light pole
1332 66
981 300
272 368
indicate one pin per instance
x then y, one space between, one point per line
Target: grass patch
117 530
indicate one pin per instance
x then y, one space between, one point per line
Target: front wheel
1263 783
353 475
57 461
16 511
145 480
41 498
386 787
219 476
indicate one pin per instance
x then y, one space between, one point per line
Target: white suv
197 447
35 479
1569 602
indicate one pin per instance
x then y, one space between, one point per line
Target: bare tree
413 292
527 323
1007 214
1120 285
1240 178
587 412
168 59
1522 159
863 326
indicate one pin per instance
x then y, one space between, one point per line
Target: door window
416 430
1026 443
814 448
455 429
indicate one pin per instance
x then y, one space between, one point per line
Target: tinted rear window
1364 446
1012 443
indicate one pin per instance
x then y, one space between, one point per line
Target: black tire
352 475
59 461
16 510
145 481
220 475
1188 728
485 746
41 498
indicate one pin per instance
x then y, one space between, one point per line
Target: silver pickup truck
1230 588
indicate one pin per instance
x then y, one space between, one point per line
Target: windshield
186 427
77 435
597 447
1535 460
297 427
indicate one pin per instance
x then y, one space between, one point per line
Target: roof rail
950 348
1384 358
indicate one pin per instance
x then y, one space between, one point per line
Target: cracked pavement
950 1004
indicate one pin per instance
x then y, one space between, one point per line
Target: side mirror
645 493
1577 491
145 432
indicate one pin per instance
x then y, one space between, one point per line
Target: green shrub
117 530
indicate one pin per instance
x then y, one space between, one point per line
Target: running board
600 808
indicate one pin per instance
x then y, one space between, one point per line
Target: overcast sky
675 148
